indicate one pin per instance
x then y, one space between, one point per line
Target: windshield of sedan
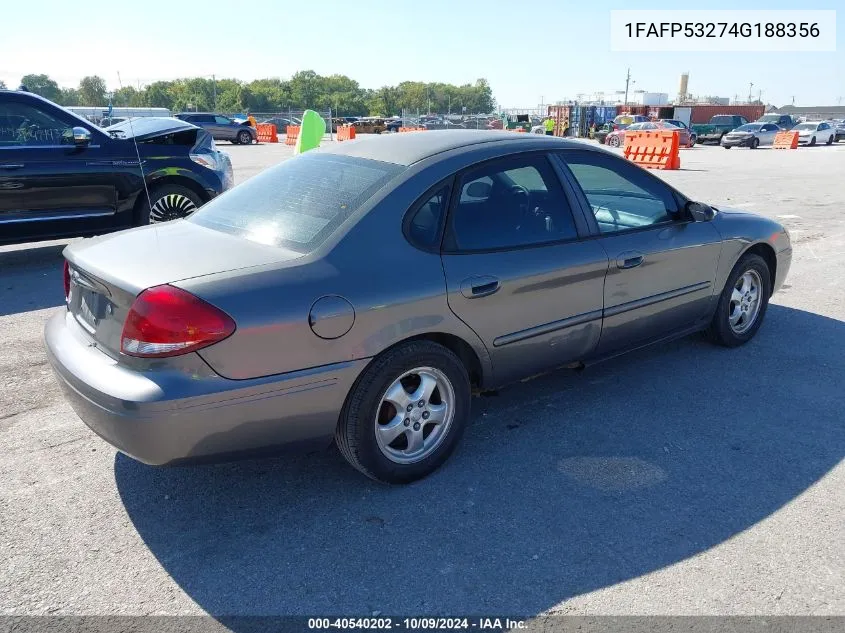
751 127
298 203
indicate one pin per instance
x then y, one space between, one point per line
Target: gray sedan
361 291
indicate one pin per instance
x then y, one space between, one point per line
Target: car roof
411 147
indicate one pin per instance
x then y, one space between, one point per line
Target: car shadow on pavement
22 275
566 484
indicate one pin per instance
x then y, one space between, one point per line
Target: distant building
815 113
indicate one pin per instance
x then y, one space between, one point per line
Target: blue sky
527 49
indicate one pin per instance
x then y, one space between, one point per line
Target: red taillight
167 321
66 275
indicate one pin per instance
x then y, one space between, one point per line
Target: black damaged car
62 176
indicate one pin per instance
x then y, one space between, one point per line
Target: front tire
742 304
755 143
406 413
168 202
829 141
812 141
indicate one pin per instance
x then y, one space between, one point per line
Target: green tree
69 97
92 91
304 89
159 94
127 97
42 85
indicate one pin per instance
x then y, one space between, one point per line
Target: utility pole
750 86
627 82
214 88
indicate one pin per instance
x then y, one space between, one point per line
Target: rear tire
369 411
169 202
244 137
737 316
613 141
726 146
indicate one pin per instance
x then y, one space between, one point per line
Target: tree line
306 89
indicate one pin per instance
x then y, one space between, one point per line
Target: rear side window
298 203
510 203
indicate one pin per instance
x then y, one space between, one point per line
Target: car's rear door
662 264
47 183
517 269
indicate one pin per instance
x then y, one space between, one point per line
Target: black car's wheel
406 413
812 141
244 137
755 143
168 202
742 304
727 146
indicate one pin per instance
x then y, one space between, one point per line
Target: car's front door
46 177
767 133
225 127
662 264
516 269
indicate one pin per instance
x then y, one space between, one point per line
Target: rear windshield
299 203
722 120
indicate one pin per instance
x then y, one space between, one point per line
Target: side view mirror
81 137
699 211
479 190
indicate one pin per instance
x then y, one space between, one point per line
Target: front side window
298 203
621 196
22 124
511 203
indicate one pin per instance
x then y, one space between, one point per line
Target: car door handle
12 166
481 286
631 259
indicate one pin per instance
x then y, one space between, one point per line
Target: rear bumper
166 416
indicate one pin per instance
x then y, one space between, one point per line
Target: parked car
528 252
282 123
690 137
63 176
603 131
783 121
617 137
624 120
222 128
838 126
813 132
719 125
751 135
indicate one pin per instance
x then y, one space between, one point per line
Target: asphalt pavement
682 479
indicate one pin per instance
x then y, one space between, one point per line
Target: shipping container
703 113
681 113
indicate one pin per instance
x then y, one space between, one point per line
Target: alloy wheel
171 206
414 415
744 306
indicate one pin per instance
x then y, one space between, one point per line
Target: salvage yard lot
681 479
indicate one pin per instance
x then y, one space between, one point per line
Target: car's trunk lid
107 273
